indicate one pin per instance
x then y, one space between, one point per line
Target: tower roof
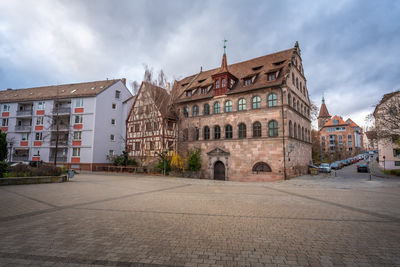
323 111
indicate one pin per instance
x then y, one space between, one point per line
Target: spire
323 100
323 111
224 64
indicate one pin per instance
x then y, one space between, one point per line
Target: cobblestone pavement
97 220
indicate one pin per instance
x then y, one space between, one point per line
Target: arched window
289 99
242 104
206 133
195 111
217 108
206 109
242 130
228 132
256 102
217 84
186 112
196 134
297 83
261 167
293 79
298 105
228 106
217 132
294 103
223 83
256 129
299 131
272 100
301 87
273 128
295 130
301 108
185 134
302 133
290 129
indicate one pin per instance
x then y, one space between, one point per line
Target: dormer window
222 83
247 82
257 68
335 121
204 90
271 76
232 82
217 84
189 93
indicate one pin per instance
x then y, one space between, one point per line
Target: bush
160 165
119 160
194 160
132 162
22 170
393 172
177 163
3 168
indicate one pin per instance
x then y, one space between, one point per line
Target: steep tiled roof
55 91
161 97
323 112
341 122
259 67
352 123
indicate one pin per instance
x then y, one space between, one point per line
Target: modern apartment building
77 125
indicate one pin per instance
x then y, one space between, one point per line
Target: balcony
62 111
60 128
24 113
23 128
59 158
20 158
60 143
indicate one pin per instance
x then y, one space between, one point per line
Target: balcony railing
20 158
60 142
60 128
62 110
23 128
24 113
59 159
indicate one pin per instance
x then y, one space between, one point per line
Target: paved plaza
121 220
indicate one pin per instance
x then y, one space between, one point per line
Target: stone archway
218 155
219 170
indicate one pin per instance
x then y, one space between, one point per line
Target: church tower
323 116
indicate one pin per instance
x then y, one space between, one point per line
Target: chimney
124 81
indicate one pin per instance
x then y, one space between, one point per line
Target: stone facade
278 104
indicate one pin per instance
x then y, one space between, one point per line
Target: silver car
324 167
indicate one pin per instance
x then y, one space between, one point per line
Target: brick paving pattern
100 220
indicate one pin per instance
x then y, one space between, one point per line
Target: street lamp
10 146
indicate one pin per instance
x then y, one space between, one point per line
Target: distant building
387 121
370 140
77 125
151 124
339 139
251 119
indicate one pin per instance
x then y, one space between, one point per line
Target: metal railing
60 142
20 158
61 110
24 113
23 128
59 159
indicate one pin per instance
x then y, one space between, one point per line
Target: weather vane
225 45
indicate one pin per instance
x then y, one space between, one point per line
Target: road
98 220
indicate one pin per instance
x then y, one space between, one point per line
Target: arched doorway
219 171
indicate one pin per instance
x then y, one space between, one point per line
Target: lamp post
10 146
384 167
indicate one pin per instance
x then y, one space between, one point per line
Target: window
350 143
195 110
112 137
289 100
349 136
189 93
78 102
228 106
273 129
228 132
217 132
155 126
76 152
247 82
272 100
217 84
77 135
206 133
149 126
397 163
111 153
242 104
256 129
41 105
137 127
297 83
186 112
137 146
293 79
271 76
206 109
396 153
6 107
204 90
256 102
112 121
38 136
114 106
196 134
217 108
232 82
223 83
39 121
261 167
295 132
24 137
242 130
117 94
4 122
290 129
78 118
170 145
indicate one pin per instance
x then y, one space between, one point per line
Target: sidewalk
376 171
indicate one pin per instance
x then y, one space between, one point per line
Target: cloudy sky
350 49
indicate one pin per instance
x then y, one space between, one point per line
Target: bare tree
313 111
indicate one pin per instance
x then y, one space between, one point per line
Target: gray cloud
349 48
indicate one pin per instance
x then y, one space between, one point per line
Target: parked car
371 152
324 167
334 166
362 168
344 162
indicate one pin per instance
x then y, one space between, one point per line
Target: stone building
251 119
387 122
151 124
339 139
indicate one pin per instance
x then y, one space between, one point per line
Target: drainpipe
283 136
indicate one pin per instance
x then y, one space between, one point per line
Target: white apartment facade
76 125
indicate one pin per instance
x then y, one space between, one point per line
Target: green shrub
22 170
3 168
119 160
194 160
160 165
132 162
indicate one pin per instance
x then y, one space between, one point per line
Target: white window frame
76 152
6 107
117 94
77 120
77 136
39 120
79 102
4 122
111 152
24 137
41 105
38 136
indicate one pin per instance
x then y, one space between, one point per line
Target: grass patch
392 172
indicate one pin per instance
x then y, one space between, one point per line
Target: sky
350 49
